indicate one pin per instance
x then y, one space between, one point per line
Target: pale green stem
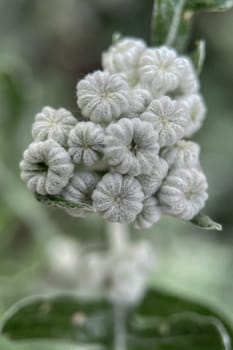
119 327
175 23
153 23
117 235
118 240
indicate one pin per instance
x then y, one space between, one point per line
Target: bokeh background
45 47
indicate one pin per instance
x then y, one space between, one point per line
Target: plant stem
117 235
175 23
119 327
153 23
118 240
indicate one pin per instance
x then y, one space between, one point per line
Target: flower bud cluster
127 155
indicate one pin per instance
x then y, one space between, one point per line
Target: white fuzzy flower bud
103 97
123 57
128 284
86 143
140 99
184 154
46 167
168 118
64 257
149 215
151 182
128 273
159 68
79 190
196 111
53 124
188 81
118 198
131 146
183 193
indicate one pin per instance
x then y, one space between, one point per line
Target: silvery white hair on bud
151 182
188 81
103 97
183 154
86 141
158 67
131 146
118 198
46 167
79 190
123 57
168 118
140 99
183 193
196 110
150 214
53 124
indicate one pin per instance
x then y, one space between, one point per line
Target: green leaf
60 202
170 24
160 322
188 329
166 322
198 56
160 303
205 222
171 20
160 22
209 5
60 317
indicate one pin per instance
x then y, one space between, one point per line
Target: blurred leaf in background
159 320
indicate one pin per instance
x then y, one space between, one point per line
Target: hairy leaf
170 24
6 344
161 322
181 331
209 5
59 317
205 222
171 19
198 56
60 202
168 322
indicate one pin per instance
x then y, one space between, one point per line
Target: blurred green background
46 46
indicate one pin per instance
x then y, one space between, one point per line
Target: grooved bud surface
131 146
85 142
183 193
118 198
53 124
103 97
46 167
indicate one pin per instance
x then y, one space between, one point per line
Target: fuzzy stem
119 327
117 235
175 23
118 240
